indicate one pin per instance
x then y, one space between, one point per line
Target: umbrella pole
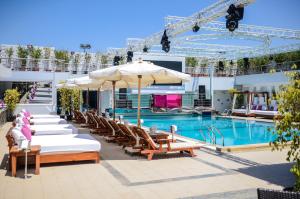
87 98
98 101
114 100
139 102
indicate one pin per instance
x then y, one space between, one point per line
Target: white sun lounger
42 116
48 121
56 129
66 143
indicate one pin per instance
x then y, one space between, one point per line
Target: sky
65 24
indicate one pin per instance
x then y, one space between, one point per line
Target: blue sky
65 24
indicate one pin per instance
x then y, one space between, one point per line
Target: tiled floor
119 175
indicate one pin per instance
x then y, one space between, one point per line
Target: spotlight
246 62
221 66
196 27
129 56
165 42
235 14
145 49
116 60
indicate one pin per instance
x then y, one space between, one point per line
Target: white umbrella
140 73
66 85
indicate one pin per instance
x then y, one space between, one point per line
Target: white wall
222 100
219 83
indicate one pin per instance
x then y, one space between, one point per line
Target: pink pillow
27 114
26 132
25 120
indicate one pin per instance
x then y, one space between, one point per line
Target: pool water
234 131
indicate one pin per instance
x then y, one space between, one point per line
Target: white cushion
17 135
19 120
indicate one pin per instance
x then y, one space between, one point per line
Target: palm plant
22 54
9 52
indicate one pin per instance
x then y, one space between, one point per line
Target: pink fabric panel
25 120
160 101
174 101
26 132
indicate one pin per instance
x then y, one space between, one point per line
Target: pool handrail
219 132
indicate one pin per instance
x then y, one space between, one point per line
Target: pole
139 102
87 98
114 100
211 84
98 100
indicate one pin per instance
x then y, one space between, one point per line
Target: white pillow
19 120
18 135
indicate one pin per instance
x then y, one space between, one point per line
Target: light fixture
116 60
235 14
196 27
165 42
145 49
129 56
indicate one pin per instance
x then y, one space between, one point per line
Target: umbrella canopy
66 85
150 74
140 73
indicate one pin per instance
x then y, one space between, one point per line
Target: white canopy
139 73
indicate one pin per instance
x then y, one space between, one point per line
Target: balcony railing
49 65
199 71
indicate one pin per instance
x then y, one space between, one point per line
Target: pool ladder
212 132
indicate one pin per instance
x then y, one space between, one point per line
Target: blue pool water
235 132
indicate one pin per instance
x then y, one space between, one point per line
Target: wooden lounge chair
101 128
120 137
154 148
133 139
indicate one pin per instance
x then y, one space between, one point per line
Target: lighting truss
210 13
252 30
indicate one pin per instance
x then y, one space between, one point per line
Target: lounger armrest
162 141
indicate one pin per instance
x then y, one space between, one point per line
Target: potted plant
104 61
47 53
76 63
35 54
62 57
191 62
9 52
11 98
87 58
22 54
287 126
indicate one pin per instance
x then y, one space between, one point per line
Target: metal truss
246 30
206 15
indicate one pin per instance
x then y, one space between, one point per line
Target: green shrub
11 98
287 128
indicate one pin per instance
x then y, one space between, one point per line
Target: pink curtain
160 101
174 101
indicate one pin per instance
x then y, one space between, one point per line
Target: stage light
246 62
165 42
196 27
221 66
116 60
129 56
235 14
145 49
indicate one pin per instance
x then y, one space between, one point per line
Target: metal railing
275 67
212 132
50 65
199 71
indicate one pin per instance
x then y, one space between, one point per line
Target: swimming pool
235 132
